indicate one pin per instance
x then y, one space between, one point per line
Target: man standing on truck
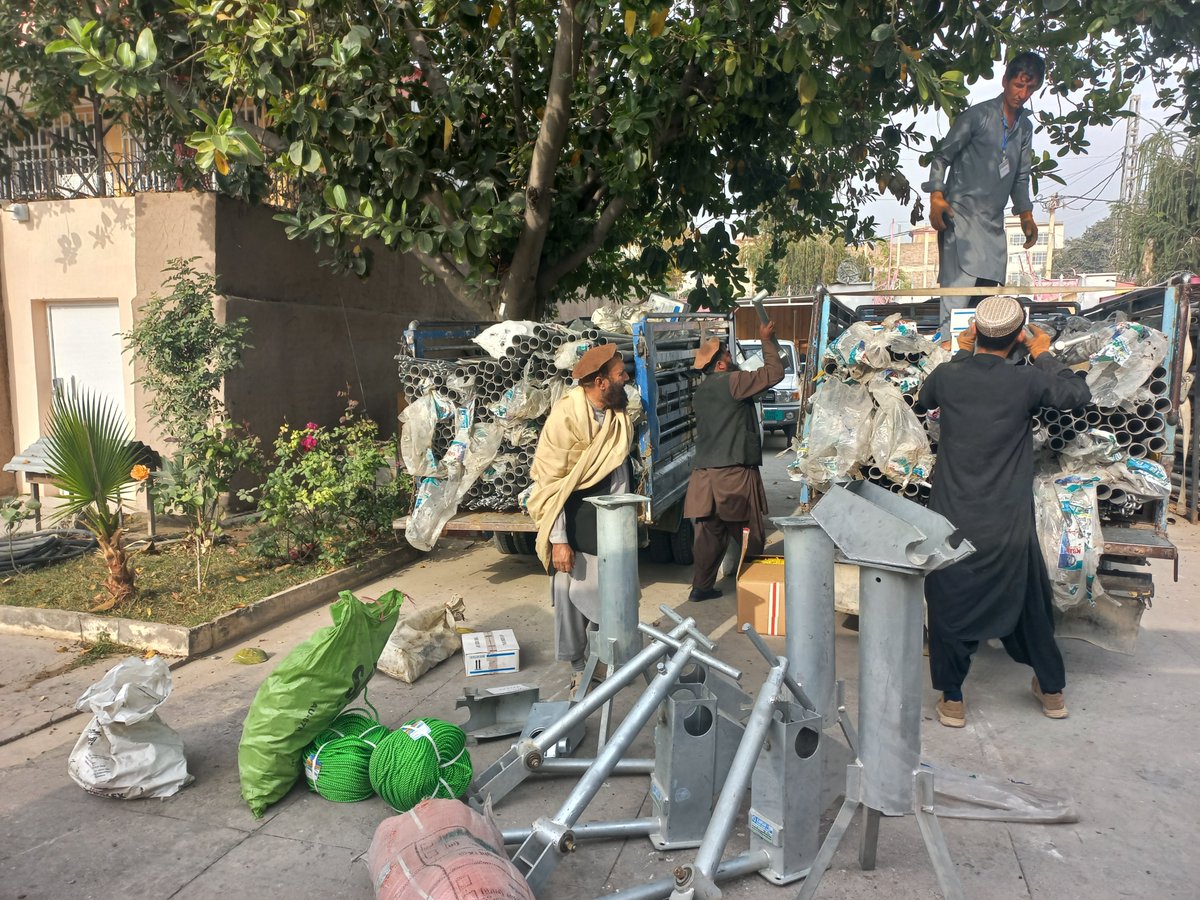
583 451
983 483
987 151
725 494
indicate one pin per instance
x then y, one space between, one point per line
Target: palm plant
90 459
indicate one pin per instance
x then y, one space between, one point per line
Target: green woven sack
314 683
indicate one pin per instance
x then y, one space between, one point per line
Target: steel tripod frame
552 837
515 764
931 834
698 879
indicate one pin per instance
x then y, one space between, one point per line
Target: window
1043 238
1016 239
1039 260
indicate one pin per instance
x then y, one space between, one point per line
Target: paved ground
1126 756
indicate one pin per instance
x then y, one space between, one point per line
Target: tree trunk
119 582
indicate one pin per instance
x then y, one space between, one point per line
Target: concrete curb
180 640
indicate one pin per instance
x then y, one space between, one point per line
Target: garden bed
241 596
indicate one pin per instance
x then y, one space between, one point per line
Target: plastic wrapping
469 455
126 751
1094 447
860 346
1068 528
495 339
570 353
898 443
524 400
446 850
839 436
418 422
1141 478
1124 363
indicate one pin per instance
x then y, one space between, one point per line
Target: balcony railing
62 177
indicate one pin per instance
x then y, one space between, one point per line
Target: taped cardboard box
491 652
760 591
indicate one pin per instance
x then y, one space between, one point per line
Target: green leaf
806 88
882 32
312 161
339 196
125 56
296 153
146 48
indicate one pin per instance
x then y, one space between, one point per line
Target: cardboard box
760 594
491 652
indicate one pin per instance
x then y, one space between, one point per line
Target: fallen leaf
240 579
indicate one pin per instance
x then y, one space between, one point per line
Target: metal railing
66 177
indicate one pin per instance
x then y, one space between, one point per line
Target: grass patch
102 649
166 583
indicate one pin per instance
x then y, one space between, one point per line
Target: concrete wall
8 444
314 332
68 250
169 226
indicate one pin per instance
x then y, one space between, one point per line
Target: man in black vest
725 494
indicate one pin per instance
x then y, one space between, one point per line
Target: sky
1091 179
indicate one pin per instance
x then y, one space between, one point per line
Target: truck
1129 544
660 364
792 316
781 403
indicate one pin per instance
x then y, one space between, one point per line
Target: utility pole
1053 204
1129 155
1128 166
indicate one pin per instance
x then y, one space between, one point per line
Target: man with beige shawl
583 451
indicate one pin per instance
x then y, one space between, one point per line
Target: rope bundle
423 758
337 762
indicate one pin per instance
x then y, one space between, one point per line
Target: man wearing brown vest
725 494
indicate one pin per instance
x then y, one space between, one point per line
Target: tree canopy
519 148
1092 251
1158 233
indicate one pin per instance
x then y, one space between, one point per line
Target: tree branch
518 99
449 275
549 279
420 47
517 289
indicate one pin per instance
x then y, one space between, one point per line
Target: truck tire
660 547
681 543
525 542
789 432
505 542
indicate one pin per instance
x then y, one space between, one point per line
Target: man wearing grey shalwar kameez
987 152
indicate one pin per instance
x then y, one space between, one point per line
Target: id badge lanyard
1004 166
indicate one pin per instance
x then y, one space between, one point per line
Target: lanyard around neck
1004 129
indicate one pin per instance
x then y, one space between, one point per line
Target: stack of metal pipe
1138 426
479 382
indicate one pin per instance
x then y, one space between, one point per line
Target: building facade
917 257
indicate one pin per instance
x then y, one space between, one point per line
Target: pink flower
312 426
308 442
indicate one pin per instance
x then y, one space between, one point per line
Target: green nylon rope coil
423 758
337 762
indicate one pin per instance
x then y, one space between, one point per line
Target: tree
185 354
796 267
1159 232
1092 251
516 147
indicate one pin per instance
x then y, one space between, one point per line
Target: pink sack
442 850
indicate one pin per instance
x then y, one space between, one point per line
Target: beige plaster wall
68 250
8 445
169 226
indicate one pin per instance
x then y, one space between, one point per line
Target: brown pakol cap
707 352
594 360
998 316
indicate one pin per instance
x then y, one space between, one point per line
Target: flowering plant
331 492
